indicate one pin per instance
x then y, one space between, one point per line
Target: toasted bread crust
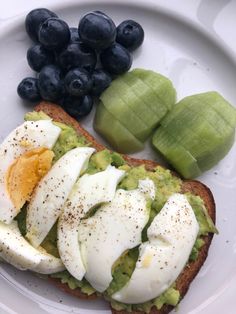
195 187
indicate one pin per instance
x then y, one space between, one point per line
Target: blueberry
38 57
50 83
97 30
116 59
130 34
28 89
78 82
78 107
74 35
101 80
77 55
54 33
34 19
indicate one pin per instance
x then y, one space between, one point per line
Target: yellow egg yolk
25 172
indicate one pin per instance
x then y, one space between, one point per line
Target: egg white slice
171 236
15 250
29 135
115 228
88 192
52 191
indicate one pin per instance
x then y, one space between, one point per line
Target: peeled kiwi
139 100
114 132
204 125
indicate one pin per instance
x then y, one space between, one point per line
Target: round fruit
77 55
54 33
130 34
74 35
97 30
50 83
78 107
28 89
38 57
34 19
78 82
116 59
101 80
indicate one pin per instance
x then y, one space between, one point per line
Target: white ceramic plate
195 61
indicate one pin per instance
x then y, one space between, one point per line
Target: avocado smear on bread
166 184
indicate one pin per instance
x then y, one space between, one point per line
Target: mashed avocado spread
166 184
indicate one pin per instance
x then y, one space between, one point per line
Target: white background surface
218 18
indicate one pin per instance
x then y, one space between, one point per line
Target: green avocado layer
166 184
170 297
73 283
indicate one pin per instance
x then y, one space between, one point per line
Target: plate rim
12 22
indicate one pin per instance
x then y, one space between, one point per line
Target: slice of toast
195 187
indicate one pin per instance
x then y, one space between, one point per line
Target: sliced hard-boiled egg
113 229
15 250
52 191
89 191
171 236
25 172
29 135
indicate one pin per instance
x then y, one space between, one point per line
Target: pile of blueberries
75 65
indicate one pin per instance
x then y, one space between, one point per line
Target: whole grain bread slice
195 187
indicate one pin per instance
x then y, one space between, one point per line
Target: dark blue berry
77 55
74 35
50 83
101 80
78 107
34 19
28 89
78 82
54 34
97 30
38 57
130 34
116 59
